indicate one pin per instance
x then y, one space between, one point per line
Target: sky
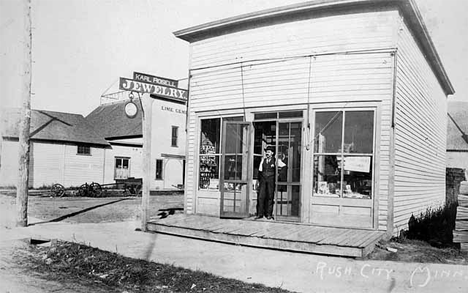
81 47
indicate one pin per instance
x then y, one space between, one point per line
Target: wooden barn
352 95
104 147
64 149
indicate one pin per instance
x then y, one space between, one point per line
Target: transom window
344 153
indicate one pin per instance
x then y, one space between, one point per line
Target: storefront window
210 151
343 154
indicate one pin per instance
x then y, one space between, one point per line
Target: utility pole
24 144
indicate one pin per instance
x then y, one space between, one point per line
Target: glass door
235 160
283 131
288 185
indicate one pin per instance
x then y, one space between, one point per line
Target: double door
243 147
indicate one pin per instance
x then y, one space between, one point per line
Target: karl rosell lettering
154 79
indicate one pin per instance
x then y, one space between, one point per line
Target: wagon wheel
138 190
95 189
83 190
57 190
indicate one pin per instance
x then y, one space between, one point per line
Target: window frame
122 159
161 163
175 138
342 153
216 155
83 147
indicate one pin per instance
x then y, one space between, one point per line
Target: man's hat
270 148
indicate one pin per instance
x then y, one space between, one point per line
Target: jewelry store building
352 95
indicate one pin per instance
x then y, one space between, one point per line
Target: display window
210 152
344 153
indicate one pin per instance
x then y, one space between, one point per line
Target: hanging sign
131 109
153 89
154 79
357 164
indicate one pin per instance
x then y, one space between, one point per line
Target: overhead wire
280 59
272 60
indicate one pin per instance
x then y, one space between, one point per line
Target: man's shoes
270 218
258 217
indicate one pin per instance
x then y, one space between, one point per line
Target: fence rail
460 234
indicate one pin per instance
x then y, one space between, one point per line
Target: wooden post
147 103
23 175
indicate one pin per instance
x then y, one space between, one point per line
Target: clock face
131 109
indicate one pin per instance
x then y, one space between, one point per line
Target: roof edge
45 140
408 7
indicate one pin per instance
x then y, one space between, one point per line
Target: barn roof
457 126
52 126
296 11
110 121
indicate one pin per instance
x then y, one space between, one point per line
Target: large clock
131 109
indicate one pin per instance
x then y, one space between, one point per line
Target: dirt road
87 210
14 278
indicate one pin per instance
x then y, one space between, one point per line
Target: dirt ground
115 209
90 210
14 276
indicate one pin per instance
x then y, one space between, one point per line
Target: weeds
434 226
71 260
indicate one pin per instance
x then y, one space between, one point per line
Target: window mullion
342 154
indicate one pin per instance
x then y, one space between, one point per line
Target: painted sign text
154 79
158 90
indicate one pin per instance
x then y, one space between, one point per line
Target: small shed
457 135
352 95
125 135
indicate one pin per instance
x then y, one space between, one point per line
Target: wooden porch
271 234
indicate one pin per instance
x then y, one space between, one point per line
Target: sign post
147 103
150 87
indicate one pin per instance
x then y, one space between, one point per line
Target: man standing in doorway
267 171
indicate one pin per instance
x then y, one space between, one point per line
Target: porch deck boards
288 236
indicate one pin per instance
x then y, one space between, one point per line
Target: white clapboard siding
257 82
9 167
135 154
79 169
323 34
420 133
191 182
333 78
48 160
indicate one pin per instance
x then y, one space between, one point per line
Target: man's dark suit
267 188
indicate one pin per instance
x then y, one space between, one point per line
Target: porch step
271 234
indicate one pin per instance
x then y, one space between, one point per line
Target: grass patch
409 250
71 261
